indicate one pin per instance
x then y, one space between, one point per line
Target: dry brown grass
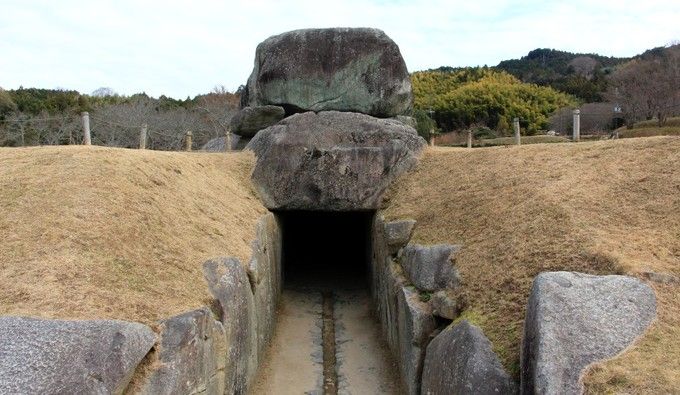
649 131
91 232
595 207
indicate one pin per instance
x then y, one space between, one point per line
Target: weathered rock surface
430 268
460 360
406 120
416 323
343 69
576 319
250 120
191 356
40 356
265 274
228 283
218 144
331 160
445 304
398 234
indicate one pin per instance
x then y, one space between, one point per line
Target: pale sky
182 48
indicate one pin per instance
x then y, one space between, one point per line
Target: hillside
597 207
112 233
582 75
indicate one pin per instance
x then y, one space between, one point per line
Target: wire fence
160 133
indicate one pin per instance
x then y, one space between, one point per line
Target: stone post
469 139
142 137
87 139
515 125
577 125
187 141
227 141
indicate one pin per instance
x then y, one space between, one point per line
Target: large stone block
218 144
229 284
250 120
460 360
343 69
416 324
430 268
574 320
192 356
39 356
398 234
331 160
265 274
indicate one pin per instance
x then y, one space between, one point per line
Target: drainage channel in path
326 342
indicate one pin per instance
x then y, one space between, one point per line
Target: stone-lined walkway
294 362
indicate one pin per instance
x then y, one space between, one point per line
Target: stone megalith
331 160
430 268
344 69
460 360
250 120
574 320
39 356
191 356
228 283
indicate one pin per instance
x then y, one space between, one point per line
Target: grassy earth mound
92 232
594 207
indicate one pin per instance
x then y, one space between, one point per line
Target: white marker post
577 125
142 137
87 139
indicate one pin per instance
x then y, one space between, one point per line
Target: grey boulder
460 360
39 356
574 320
191 356
251 120
228 282
430 268
218 144
445 304
415 325
331 160
407 120
398 234
343 69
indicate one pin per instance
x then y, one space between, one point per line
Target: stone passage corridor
295 362
327 340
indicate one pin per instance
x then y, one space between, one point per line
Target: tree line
52 116
543 88
482 96
540 89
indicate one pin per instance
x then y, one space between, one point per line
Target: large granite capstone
344 69
331 160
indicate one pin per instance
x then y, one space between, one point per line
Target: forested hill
582 75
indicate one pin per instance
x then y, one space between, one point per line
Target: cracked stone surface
39 356
331 160
344 69
575 319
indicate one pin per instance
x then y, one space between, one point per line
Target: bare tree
217 108
649 87
104 92
584 66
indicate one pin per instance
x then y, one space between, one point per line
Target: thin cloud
180 48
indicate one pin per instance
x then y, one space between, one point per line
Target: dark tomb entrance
326 250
